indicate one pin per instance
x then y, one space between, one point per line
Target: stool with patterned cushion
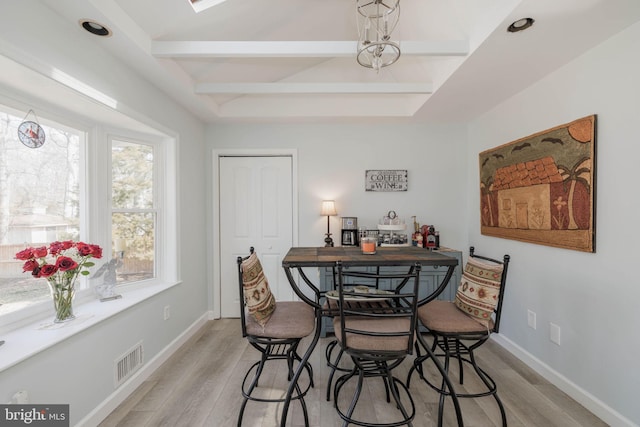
274 328
461 326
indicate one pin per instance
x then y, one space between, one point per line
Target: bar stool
459 327
377 340
273 328
371 281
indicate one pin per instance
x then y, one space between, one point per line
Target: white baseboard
101 412
586 399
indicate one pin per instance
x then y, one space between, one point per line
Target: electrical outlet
167 312
531 319
554 333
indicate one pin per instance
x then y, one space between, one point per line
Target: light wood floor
200 386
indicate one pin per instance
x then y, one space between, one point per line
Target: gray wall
592 297
332 160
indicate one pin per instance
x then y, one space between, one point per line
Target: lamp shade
328 208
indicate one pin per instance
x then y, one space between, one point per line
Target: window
39 202
65 190
134 209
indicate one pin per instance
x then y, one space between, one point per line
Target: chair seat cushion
290 319
372 343
445 317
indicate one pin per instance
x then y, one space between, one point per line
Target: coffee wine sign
386 180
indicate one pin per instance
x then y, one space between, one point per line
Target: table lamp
328 209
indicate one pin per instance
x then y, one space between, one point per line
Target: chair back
366 279
382 331
243 320
503 281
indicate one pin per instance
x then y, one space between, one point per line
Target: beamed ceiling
248 60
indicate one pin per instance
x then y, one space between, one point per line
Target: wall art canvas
541 189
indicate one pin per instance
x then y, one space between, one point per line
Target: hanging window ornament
30 132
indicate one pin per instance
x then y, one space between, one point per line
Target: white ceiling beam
286 49
313 88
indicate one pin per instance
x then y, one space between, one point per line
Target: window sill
31 339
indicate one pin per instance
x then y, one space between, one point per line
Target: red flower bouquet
60 264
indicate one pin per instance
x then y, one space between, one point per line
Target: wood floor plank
135 419
199 386
570 406
130 405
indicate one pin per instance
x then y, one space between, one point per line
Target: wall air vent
127 364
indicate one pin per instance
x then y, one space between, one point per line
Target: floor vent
127 364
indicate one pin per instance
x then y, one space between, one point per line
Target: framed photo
541 188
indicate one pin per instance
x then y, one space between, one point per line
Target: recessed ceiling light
95 28
520 25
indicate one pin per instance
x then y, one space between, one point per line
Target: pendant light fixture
376 21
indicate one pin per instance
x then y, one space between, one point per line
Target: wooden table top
353 256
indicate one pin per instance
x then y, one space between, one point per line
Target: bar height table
299 258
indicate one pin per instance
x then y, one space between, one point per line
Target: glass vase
62 295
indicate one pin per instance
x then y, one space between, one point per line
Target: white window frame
158 185
95 190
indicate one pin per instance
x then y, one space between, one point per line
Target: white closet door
256 209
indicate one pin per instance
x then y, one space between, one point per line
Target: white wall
332 163
592 297
79 370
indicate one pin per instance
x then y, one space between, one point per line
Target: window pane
134 244
132 175
39 203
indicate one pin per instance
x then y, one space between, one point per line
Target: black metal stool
277 339
377 340
457 329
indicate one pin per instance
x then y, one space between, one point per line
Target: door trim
214 245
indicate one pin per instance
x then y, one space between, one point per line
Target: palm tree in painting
485 189
580 172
